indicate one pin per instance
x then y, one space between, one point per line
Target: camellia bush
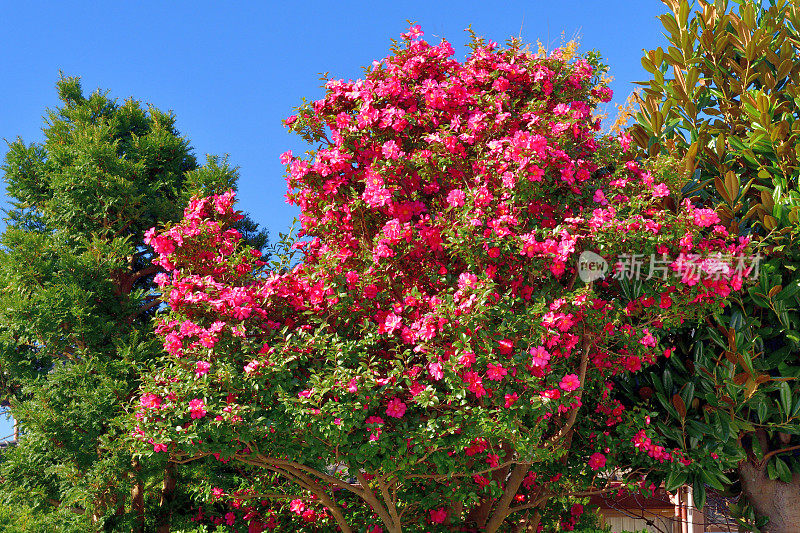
437 359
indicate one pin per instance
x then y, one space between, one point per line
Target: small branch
776 452
530 505
574 413
470 474
144 309
152 269
57 503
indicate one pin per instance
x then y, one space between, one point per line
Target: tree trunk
774 499
164 517
137 498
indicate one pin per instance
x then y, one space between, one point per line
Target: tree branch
501 510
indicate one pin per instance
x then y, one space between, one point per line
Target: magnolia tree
436 356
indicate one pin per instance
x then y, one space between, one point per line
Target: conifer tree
76 302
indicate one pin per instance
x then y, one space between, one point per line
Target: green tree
76 302
725 97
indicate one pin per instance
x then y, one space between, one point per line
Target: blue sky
232 71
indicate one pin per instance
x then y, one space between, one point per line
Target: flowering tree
436 354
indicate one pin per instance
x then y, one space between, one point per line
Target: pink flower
438 516
551 394
352 386
392 322
414 32
705 217
597 461
391 150
251 367
624 139
466 359
396 408
539 356
495 372
456 198
159 447
570 382
297 507
230 518
648 339
435 370
197 408
511 399
660 191
370 291
201 368
150 401
505 346
600 197
467 280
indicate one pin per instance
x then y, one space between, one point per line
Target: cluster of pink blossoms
442 221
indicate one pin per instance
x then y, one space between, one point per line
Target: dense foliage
76 304
725 98
434 361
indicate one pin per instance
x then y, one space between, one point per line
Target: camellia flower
435 370
150 401
456 198
660 191
597 461
201 368
570 382
600 197
705 217
297 507
495 372
197 408
438 516
539 356
396 408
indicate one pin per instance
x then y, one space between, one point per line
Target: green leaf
687 393
667 378
762 409
786 397
757 450
699 494
711 479
675 479
782 469
772 472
